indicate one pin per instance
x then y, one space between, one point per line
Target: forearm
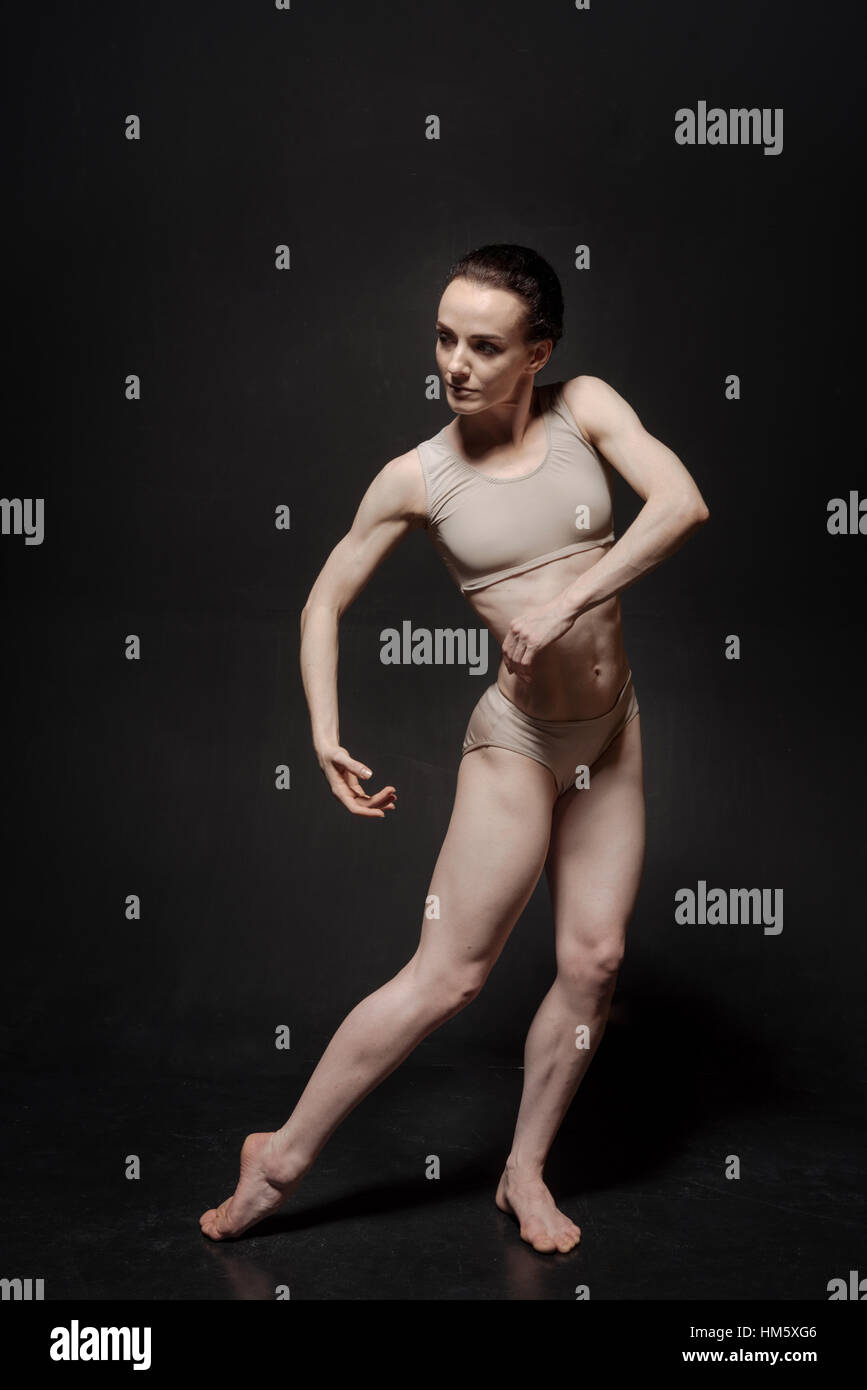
660 529
319 654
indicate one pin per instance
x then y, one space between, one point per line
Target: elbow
684 510
695 511
334 610
305 615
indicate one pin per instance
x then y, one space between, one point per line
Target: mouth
461 390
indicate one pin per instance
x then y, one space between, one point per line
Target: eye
488 349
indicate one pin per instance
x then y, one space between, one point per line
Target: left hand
528 635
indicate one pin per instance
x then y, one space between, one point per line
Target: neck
500 426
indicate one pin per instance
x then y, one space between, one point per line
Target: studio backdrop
232 225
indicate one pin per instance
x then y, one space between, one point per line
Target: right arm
393 505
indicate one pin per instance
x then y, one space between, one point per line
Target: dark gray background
260 388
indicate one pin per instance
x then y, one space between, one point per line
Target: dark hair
525 273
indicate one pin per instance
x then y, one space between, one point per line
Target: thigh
596 852
491 858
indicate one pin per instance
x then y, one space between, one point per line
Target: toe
218 1225
541 1241
221 1218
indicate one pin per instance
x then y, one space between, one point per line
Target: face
480 346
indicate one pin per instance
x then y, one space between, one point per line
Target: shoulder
598 409
399 488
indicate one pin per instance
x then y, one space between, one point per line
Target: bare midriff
581 674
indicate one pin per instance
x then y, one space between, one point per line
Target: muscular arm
392 506
673 506
673 509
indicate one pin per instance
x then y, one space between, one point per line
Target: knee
592 964
450 991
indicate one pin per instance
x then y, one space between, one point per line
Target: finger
360 803
348 764
357 805
346 786
372 798
385 797
384 794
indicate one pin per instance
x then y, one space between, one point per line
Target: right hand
342 772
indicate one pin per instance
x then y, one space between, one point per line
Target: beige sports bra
487 529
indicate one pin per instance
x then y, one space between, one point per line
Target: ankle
520 1169
282 1163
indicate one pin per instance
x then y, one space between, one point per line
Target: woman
516 493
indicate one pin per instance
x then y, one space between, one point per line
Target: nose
452 362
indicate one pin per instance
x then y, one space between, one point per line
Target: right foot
541 1222
260 1192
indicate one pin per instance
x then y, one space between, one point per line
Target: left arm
673 509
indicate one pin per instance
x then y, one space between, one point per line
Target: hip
567 685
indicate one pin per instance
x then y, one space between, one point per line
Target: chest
487 525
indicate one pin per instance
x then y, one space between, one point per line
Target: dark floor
641 1174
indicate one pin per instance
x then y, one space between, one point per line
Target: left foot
541 1223
260 1192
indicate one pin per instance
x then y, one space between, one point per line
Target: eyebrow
494 337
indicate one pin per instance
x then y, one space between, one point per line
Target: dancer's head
499 319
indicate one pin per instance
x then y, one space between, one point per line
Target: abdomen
579 675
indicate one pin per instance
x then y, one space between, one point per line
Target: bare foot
542 1224
259 1193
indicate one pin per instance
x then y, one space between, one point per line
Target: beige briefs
562 745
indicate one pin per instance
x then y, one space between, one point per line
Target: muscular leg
491 858
594 866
